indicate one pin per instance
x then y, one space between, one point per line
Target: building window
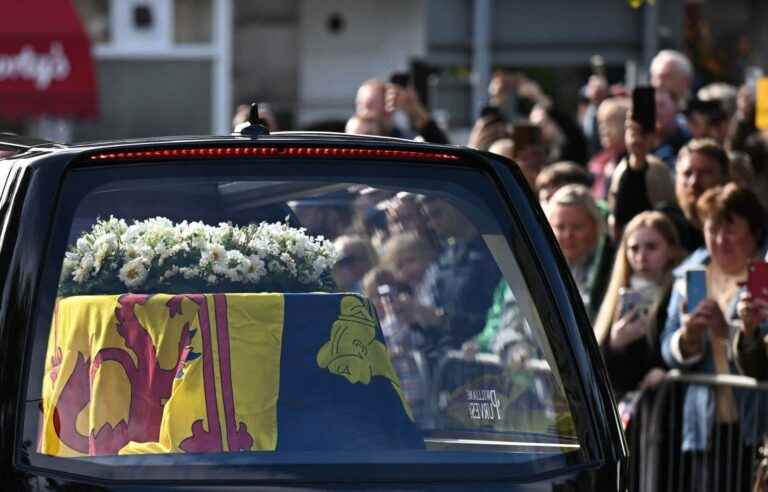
192 21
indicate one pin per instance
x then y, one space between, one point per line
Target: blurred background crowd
634 205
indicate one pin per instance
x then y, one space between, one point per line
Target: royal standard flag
211 373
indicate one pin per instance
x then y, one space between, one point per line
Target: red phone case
757 279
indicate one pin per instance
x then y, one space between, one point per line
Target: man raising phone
379 101
640 181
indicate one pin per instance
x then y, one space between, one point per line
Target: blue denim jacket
699 401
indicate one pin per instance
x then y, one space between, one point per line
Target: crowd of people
633 209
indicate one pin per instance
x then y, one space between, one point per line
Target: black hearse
197 313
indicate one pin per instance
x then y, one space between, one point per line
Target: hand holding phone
491 113
753 303
757 280
629 300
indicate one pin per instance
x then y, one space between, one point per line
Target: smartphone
757 279
403 79
493 113
695 287
644 107
630 299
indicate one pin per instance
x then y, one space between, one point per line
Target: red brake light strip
292 151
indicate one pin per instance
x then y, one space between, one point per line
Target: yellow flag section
156 374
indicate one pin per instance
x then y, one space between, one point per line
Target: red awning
45 61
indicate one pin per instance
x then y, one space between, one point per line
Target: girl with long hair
632 314
629 327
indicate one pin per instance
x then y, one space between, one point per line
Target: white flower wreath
158 255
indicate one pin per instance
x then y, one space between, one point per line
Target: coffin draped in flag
212 373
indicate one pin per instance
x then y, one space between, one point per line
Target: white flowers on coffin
154 252
133 273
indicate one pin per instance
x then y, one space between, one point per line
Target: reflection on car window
229 313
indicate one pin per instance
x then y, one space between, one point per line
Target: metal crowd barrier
728 464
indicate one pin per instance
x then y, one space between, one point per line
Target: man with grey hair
672 71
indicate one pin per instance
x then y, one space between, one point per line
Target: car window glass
229 311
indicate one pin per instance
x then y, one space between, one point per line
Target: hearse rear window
228 314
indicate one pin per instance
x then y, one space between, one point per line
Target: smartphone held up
695 287
757 280
402 79
644 108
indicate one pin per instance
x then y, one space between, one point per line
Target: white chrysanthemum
218 254
215 256
105 242
161 249
80 275
83 246
133 273
301 246
255 252
71 261
86 262
235 257
256 269
290 265
238 265
239 238
134 232
233 275
146 253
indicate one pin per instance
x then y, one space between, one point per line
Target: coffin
213 373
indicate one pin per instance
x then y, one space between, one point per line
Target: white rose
87 261
79 275
218 254
233 275
256 269
146 253
161 249
82 244
133 273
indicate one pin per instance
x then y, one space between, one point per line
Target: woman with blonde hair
630 323
631 317
579 228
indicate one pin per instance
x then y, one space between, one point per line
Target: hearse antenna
254 127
